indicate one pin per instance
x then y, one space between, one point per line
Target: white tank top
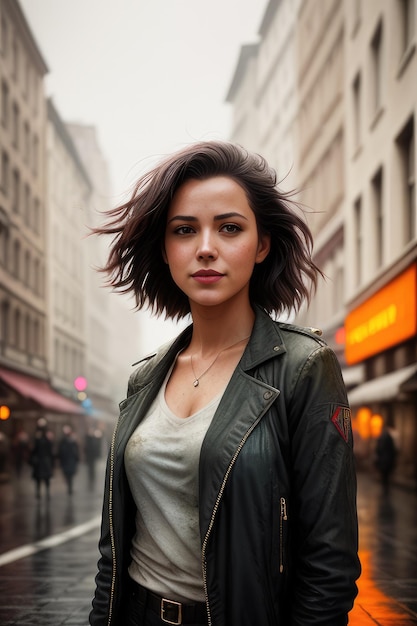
162 460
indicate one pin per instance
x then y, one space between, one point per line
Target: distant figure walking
41 457
385 457
92 453
68 454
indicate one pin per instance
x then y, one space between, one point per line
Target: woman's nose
206 248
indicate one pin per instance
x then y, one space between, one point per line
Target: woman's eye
183 230
231 228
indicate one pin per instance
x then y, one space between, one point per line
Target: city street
48 553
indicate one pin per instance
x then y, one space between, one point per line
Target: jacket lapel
244 403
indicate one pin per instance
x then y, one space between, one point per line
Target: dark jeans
138 615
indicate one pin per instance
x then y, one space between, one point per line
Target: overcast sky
150 75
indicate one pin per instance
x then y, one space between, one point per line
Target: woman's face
212 242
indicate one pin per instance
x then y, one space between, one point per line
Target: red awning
39 391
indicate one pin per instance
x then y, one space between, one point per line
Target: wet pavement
48 553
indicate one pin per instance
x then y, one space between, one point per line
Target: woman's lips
207 277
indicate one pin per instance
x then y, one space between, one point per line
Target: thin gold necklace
198 378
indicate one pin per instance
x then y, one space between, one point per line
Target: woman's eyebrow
226 216
191 218
183 218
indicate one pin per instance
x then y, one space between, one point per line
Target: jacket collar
266 341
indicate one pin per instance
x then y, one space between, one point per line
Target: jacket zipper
282 518
213 514
111 527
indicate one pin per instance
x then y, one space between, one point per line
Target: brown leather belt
170 611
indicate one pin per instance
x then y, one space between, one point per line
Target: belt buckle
178 606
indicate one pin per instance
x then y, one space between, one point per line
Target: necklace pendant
196 382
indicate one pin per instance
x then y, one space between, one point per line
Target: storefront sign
386 319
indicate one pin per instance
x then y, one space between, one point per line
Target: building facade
380 218
68 196
355 95
57 322
25 389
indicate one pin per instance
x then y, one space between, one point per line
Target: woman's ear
264 246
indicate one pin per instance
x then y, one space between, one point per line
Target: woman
230 488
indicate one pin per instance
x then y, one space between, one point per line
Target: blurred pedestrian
68 455
92 448
42 457
230 490
385 457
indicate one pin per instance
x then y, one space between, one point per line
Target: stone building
25 388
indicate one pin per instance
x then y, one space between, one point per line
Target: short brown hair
135 263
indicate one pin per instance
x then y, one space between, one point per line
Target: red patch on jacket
341 419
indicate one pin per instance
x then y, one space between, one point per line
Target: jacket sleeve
324 495
104 601
99 615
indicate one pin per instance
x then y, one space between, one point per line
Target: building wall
242 94
68 196
263 92
276 89
321 141
380 222
23 289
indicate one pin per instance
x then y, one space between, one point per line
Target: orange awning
40 392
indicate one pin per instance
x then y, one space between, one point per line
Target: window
35 155
377 73
357 110
36 277
27 213
15 59
406 147
36 216
36 338
16 191
5 322
15 125
17 328
407 8
4 104
57 354
26 142
4 36
26 276
378 215
16 259
358 219
5 173
27 339
4 242
26 85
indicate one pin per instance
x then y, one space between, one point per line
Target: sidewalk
388 551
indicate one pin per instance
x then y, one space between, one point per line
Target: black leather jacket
277 488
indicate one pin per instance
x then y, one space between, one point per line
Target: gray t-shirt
161 460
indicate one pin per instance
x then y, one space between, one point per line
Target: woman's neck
215 329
